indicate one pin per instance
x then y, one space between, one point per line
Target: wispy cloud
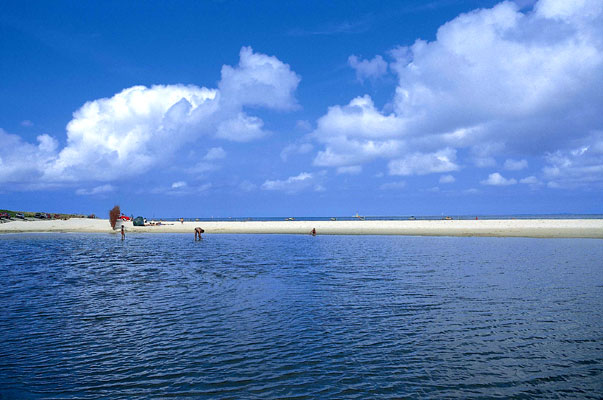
351 170
215 153
393 185
338 28
515 165
96 190
181 188
293 184
447 179
178 185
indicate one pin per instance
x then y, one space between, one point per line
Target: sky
302 108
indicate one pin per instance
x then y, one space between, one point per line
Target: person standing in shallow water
123 232
198 232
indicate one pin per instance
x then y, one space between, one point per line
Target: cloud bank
142 127
524 84
496 88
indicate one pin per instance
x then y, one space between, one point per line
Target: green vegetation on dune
32 214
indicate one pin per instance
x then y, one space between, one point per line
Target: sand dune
569 228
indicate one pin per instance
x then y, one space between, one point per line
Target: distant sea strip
390 217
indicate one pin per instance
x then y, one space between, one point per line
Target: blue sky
234 108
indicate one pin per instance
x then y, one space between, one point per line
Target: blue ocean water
88 316
395 217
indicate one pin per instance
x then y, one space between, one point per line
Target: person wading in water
123 232
198 232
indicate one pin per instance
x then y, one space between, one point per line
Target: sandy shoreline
544 228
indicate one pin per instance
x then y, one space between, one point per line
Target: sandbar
537 228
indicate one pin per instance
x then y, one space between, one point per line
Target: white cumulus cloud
142 127
368 69
424 163
356 133
525 82
578 167
22 162
497 179
259 80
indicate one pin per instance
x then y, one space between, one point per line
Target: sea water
280 316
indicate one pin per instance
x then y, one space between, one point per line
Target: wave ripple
260 316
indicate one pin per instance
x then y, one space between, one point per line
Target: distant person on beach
198 232
313 231
123 232
181 220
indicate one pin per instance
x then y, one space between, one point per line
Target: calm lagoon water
267 316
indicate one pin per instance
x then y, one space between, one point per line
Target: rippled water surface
262 316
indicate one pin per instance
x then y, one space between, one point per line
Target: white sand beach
543 228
